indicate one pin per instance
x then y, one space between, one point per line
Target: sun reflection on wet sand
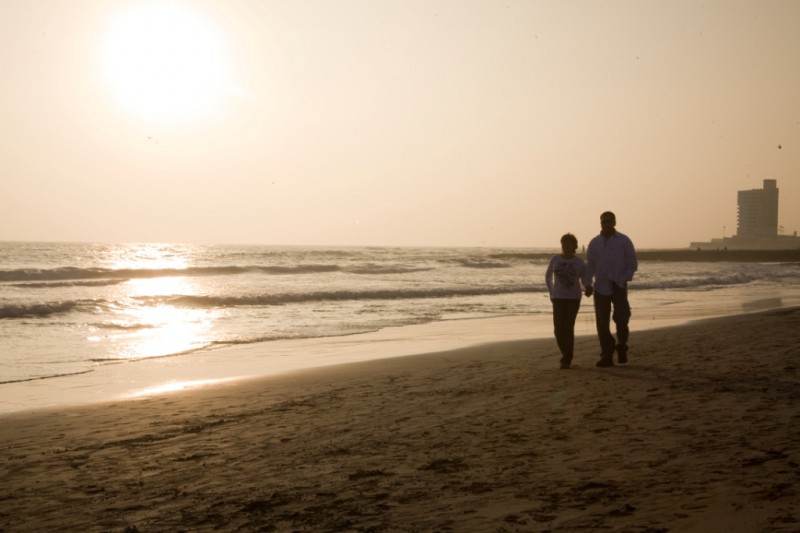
177 386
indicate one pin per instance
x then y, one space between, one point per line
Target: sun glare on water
164 62
145 320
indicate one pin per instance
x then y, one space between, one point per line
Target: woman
565 277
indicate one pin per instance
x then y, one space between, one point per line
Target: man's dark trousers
622 314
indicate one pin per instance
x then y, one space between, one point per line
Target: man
610 263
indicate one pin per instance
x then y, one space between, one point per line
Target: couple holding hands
609 266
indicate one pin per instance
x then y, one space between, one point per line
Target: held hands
589 291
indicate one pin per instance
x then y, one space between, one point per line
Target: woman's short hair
569 238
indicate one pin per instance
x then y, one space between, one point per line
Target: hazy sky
407 122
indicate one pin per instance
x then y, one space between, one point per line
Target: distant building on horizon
758 211
757 224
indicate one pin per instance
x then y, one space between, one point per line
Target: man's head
607 222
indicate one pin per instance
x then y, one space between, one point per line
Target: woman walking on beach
564 277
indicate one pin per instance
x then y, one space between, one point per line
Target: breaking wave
328 296
60 277
45 309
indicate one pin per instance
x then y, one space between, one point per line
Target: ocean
68 309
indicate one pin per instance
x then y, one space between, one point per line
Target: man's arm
631 263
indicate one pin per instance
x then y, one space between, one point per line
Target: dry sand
699 432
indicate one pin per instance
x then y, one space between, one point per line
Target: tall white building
757 224
758 211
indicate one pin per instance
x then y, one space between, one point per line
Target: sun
164 62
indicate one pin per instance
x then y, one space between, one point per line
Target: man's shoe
622 353
605 362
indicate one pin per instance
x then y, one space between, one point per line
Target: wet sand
698 432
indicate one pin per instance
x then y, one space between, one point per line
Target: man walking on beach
610 263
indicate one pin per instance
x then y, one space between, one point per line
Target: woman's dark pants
565 311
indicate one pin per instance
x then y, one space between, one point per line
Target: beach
698 432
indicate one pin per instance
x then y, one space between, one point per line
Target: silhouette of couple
609 266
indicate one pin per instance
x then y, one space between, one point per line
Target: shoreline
132 380
696 433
